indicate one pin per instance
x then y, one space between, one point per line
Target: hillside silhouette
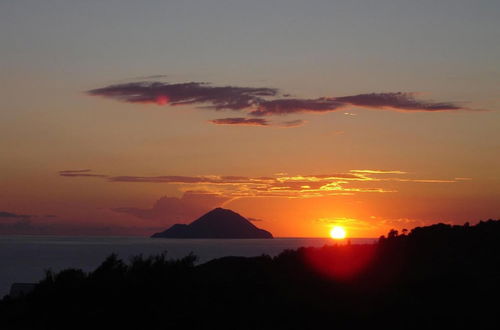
218 223
435 277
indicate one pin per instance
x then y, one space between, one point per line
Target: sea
24 259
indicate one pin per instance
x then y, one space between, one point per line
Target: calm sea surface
25 258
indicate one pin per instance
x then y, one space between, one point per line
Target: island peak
217 223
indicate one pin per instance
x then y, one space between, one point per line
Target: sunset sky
125 117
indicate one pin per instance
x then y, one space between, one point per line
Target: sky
125 117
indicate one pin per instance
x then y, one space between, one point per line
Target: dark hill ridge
218 223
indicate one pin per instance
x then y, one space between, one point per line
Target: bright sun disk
337 232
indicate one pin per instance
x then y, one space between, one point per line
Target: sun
337 232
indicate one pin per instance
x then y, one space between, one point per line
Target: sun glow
337 232
161 99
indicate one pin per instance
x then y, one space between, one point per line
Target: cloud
165 179
425 180
223 180
239 121
292 123
188 207
378 171
49 224
282 184
288 106
154 76
351 223
214 97
397 101
81 173
4 214
259 101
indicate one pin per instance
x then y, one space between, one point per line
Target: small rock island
218 223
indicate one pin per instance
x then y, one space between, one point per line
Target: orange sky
128 119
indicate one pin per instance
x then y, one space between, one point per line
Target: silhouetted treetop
440 276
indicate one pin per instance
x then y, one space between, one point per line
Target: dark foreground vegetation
440 276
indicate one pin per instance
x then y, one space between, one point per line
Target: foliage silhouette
440 276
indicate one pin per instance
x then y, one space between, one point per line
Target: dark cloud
226 97
240 121
287 106
260 101
81 173
257 122
398 101
185 209
4 214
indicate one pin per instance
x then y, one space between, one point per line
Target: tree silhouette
440 276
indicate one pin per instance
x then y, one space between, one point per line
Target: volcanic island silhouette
218 223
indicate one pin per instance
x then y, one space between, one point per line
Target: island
218 223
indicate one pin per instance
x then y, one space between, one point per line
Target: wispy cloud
284 185
239 121
292 123
180 179
203 94
10 215
288 106
425 180
396 101
261 101
81 173
378 171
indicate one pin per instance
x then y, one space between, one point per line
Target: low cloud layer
10 215
378 171
81 173
31 224
292 123
278 185
44 227
239 121
170 210
260 101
